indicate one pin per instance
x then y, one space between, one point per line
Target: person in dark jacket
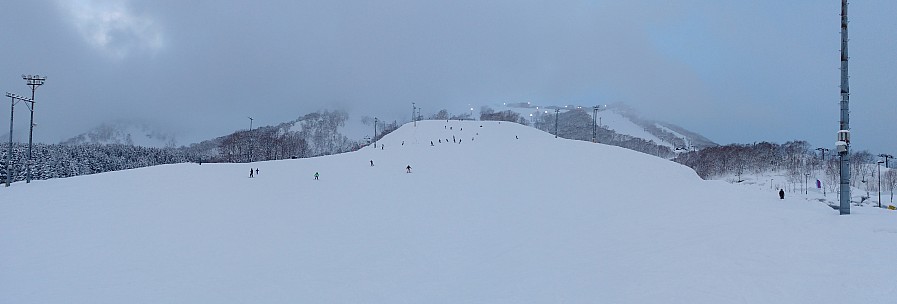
781 193
408 169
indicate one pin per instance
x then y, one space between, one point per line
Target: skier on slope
316 175
408 169
781 194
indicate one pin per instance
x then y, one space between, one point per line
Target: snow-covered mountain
623 120
493 212
126 133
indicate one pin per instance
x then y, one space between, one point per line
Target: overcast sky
735 71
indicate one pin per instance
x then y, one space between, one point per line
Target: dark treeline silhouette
58 160
735 159
487 113
796 159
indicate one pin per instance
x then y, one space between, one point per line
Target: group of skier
254 172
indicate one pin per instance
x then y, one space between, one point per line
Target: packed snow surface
508 215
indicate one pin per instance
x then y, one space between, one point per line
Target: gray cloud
736 71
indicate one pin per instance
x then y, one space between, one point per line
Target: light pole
879 182
250 138
806 183
823 152
12 108
886 157
823 161
375 131
556 111
595 125
34 81
414 114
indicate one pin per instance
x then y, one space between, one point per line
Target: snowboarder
781 194
431 143
372 163
250 172
408 169
515 136
316 175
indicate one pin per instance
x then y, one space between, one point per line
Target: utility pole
414 114
9 151
843 143
33 81
250 139
375 131
12 108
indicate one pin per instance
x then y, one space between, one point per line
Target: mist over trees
311 135
578 124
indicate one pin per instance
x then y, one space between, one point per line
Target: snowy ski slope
492 219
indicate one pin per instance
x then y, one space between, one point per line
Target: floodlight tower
33 81
843 143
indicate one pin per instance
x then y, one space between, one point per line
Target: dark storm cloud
203 66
